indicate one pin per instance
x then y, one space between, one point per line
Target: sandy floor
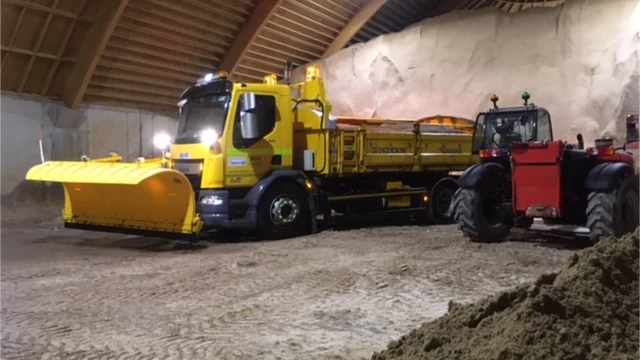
339 294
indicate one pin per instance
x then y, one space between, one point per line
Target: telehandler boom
269 157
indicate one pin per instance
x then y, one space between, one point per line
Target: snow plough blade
130 198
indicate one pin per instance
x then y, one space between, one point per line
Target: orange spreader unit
537 178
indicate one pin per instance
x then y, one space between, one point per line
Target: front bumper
218 211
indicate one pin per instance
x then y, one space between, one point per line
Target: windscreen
501 129
200 114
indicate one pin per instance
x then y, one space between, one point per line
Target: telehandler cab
524 174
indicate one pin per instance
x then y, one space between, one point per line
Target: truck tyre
441 207
474 221
283 212
615 213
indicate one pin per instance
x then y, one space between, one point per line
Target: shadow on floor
374 223
81 239
551 239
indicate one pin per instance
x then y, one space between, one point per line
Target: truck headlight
208 137
211 200
161 141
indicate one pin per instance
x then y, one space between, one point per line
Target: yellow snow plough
269 157
106 194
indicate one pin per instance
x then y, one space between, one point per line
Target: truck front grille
195 181
191 169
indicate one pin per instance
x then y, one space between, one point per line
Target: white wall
580 60
68 134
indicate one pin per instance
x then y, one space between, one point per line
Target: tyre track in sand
332 295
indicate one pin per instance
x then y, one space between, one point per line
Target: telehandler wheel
442 204
283 212
613 214
522 222
480 217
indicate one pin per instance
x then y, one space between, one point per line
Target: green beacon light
526 96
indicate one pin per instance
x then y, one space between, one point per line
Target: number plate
188 168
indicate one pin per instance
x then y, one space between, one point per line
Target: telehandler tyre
522 222
479 219
615 213
283 212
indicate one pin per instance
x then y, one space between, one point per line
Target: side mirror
248 117
580 141
632 132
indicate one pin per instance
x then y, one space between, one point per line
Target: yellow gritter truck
269 157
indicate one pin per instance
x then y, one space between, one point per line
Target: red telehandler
525 174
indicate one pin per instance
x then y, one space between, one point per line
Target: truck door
249 160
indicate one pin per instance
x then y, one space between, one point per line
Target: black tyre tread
464 216
523 222
600 215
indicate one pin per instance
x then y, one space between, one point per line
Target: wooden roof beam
355 24
257 20
89 55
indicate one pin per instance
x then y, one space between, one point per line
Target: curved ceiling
143 53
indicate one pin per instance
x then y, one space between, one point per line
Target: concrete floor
340 294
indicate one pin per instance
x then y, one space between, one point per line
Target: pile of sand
588 310
31 203
579 60
34 193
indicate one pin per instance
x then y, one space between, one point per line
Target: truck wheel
480 218
613 214
283 212
441 206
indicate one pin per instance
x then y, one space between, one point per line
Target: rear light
487 153
602 150
609 150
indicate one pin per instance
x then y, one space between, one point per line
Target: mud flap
123 197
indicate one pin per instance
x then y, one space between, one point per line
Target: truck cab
234 140
242 123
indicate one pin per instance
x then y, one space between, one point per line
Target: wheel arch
607 176
479 174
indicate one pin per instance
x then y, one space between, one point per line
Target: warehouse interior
93 77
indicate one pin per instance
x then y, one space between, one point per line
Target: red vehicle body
554 181
529 175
